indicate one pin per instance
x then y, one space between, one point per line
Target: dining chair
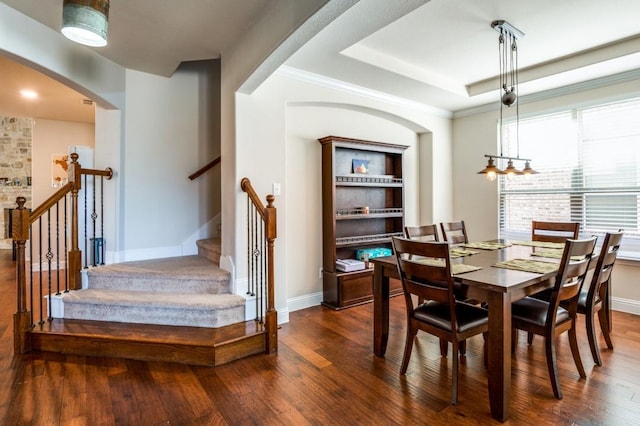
430 233
554 232
548 318
454 232
422 232
594 297
441 315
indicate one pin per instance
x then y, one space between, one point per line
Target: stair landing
185 345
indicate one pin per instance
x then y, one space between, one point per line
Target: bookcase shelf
362 207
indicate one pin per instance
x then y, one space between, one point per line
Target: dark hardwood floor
324 373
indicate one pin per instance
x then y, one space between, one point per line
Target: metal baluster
40 271
102 219
255 261
57 249
248 244
263 267
49 257
66 249
94 216
86 240
31 274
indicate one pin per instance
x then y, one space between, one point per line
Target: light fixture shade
528 170
491 170
511 170
86 21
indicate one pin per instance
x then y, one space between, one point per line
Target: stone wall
15 169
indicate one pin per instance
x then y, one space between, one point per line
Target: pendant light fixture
86 21
508 54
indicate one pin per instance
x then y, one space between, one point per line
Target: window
588 162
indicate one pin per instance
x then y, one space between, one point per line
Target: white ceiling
442 53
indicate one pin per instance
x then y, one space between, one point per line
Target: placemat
528 265
486 245
543 244
547 252
461 252
553 254
456 268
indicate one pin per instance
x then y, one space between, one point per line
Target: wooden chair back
419 273
572 271
454 232
554 232
602 271
422 232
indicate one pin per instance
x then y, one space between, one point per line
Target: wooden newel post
75 255
271 316
22 318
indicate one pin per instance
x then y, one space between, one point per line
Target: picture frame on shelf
360 166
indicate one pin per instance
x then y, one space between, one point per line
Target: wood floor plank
324 373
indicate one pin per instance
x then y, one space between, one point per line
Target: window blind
588 162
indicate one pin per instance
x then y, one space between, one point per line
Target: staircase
177 309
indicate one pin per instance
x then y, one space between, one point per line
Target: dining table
497 286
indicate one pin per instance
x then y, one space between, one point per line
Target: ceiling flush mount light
86 21
508 53
29 94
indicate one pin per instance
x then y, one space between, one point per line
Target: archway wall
277 130
52 54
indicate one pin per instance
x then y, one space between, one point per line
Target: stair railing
261 234
204 168
52 231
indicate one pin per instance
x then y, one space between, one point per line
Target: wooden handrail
204 168
50 202
22 219
268 214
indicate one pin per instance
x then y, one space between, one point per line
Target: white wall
168 136
55 137
475 198
277 131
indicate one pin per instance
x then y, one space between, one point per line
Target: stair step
143 307
210 248
186 345
185 274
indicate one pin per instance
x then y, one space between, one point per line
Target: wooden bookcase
359 211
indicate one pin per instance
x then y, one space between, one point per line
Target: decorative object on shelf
86 21
360 166
508 53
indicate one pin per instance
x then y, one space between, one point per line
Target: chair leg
552 366
462 348
573 343
454 374
591 336
529 338
444 347
605 327
408 347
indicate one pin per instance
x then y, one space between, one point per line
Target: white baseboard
303 302
629 306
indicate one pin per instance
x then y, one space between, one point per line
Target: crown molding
597 83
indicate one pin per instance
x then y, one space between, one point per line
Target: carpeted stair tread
210 248
186 274
199 310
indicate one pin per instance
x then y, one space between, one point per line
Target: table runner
528 265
